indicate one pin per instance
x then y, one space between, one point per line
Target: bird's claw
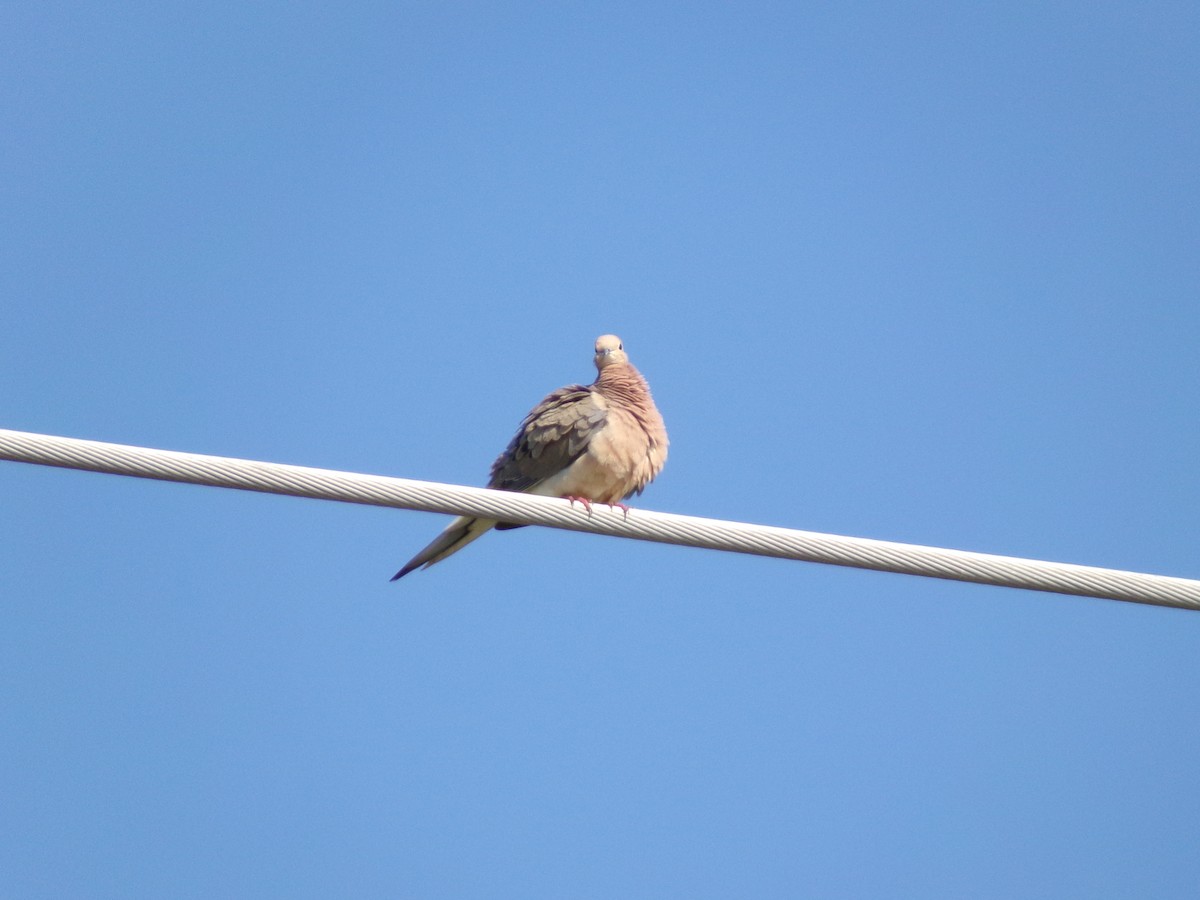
587 504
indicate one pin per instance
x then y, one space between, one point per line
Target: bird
596 443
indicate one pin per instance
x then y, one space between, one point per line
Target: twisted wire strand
691 531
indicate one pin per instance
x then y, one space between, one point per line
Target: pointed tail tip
402 573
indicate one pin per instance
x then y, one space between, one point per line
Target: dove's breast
620 459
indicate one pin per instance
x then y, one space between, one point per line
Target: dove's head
609 350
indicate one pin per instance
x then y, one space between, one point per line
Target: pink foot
622 507
587 504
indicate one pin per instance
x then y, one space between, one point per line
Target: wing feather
555 433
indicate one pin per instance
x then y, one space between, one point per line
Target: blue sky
919 272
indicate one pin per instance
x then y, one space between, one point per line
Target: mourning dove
600 442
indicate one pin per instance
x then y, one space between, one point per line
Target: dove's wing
552 437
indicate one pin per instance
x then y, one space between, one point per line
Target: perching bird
600 442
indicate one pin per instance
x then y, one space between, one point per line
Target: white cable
713 534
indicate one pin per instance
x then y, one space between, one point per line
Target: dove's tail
457 535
